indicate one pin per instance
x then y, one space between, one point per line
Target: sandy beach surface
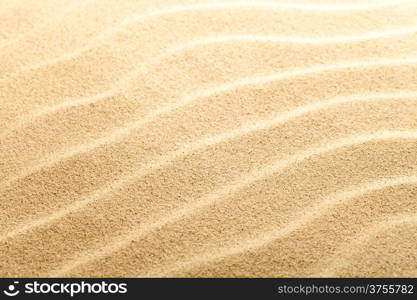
208 138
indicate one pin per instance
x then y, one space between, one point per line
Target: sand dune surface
195 138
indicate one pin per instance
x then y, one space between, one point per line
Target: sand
178 138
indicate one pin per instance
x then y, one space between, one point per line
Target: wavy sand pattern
208 138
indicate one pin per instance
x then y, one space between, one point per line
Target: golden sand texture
208 138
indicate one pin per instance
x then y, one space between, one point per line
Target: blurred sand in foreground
208 138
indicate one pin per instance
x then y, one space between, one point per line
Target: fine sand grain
208 138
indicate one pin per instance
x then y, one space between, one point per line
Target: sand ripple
208 138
